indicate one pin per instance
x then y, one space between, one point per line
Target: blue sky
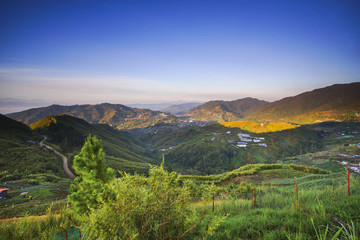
141 51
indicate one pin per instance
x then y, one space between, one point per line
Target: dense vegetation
168 206
207 150
69 133
20 154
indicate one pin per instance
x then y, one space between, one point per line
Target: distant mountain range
338 102
115 115
170 107
179 109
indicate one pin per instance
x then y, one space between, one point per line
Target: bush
144 208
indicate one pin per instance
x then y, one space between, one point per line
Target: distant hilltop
339 102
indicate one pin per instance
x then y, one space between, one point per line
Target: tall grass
35 227
324 212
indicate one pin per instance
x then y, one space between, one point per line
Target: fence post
254 197
65 232
297 195
213 202
348 181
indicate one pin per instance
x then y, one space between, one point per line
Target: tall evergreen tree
93 175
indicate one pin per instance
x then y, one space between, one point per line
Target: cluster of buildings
246 139
355 145
352 167
348 156
167 149
192 122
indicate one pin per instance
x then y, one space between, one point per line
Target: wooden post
348 181
213 202
79 234
65 232
254 197
297 195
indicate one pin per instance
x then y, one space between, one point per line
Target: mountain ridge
224 111
115 115
337 102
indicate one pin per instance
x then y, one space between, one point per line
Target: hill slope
10 128
224 111
20 154
116 115
212 149
337 102
124 152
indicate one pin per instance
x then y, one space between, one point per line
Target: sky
141 51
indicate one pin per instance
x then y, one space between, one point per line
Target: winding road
64 159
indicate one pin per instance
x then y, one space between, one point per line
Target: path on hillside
64 159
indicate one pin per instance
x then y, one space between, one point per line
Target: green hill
338 102
20 154
12 129
212 149
116 115
225 111
124 152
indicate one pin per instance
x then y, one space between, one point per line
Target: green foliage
38 228
289 170
92 173
206 150
67 134
156 207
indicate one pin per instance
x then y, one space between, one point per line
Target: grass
323 207
279 216
36 201
257 127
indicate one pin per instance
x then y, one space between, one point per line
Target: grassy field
322 203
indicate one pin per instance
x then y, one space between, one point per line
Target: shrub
144 208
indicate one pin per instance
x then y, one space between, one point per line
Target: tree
93 175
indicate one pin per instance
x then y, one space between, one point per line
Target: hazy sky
142 51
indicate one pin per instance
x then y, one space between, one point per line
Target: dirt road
64 159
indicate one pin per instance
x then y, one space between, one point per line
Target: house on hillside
3 192
241 145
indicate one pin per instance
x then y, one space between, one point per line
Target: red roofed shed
3 192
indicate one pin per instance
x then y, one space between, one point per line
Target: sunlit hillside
260 127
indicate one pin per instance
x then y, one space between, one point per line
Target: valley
217 153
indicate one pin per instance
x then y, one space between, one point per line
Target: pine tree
93 175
